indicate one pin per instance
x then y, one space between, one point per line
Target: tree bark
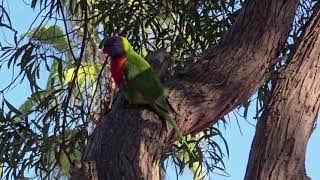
128 142
279 146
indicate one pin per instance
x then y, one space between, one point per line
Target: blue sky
239 144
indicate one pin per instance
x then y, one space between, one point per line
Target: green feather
143 86
168 117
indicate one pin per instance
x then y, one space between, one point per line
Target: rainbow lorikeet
134 75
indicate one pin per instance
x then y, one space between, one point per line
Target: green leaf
52 35
12 108
87 75
17 54
27 106
1 168
32 101
60 69
26 57
54 71
33 3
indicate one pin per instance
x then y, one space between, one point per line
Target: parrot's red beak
105 50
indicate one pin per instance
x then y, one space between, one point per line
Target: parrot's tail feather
168 117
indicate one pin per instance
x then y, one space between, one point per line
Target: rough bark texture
229 73
126 146
131 148
279 146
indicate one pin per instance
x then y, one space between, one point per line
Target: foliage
206 154
261 98
49 131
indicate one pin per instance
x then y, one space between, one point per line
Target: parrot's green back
141 79
143 86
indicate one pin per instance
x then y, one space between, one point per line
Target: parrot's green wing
141 79
162 109
143 82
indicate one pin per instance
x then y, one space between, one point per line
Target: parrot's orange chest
117 69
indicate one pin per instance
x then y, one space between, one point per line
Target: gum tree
220 54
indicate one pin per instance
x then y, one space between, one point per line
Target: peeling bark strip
279 146
126 146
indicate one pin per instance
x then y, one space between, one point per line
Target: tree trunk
279 146
126 145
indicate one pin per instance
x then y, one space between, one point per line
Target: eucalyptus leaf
51 35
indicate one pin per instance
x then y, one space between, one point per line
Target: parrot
134 75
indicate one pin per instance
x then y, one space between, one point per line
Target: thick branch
279 147
230 73
127 146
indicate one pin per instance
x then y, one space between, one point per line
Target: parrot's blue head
115 47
